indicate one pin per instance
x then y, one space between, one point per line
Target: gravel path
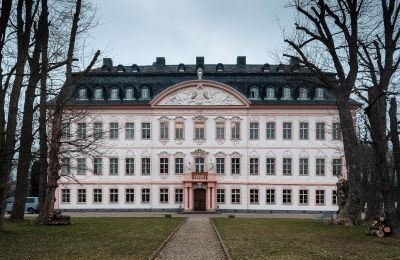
196 239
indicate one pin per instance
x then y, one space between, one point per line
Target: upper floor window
97 130
114 94
235 130
81 130
220 165
146 131
287 166
146 166
129 93
303 131
254 131
164 163
336 131
97 166
270 130
199 164
337 167
98 94
287 93
254 166
287 131
199 130
303 94
320 131
271 93
164 130
179 131
66 131
235 165
178 165
254 93
81 162
65 166
113 166
113 130
145 93
220 130
82 94
319 93
129 130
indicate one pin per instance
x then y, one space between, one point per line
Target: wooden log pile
378 228
58 219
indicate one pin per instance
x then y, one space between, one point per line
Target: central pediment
200 93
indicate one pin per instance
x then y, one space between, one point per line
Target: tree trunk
394 137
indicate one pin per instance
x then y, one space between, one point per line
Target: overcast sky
137 31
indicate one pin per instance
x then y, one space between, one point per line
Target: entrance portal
199 199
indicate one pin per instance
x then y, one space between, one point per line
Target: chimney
160 61
108 62
241 60
200 62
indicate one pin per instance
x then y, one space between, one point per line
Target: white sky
137 31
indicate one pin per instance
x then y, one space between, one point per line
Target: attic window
181 67
220 67
145 93
254 92
129 93
120 68
287 94
135 68
280 68
105 68
271 93
319 93
266 67
98 94
303 94
114 94
82 95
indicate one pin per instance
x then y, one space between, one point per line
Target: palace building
204 137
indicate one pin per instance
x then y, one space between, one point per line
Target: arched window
98 93
271 93
266 67
181 67
135 68
129 93
287 94
145 93
120 68
114 94
82 94
303 94
280 68
220 67
254 92
319 93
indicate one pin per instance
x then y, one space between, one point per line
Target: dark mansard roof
241 76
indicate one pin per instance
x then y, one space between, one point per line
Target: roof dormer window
271 93
220 67
114 94
319 93
287 93
280 68
266 67
82 95
135 68
129 93
120 68
181 67
254 93
145 93
98 94
303 94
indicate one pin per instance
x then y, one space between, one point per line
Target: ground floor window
287 196
65 196
113 195
303 196
334 197
254 196
164 195
130 195
320 197
220 195
145 195
178 195
129 166
81 195
97 196
270 196
235 196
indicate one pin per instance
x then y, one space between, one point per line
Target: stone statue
211 166
189 166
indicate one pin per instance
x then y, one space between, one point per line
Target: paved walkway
196 239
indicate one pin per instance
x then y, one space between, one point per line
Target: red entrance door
200 199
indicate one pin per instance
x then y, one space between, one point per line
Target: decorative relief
164 141
287 153
163 119
130 153
320 154
220 119
304 154
199 153
270 153
254 119
199 141
129 119
145 153
220 141
163 155
199 118
254 154
201 95
236 119
179 119
179 141
235 155
179 155
220 155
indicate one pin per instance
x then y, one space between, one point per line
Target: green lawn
300 239
87 238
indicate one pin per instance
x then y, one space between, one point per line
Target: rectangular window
97 195
164 165
199 164
81 131
130 131
337 167
220 165
253 166
199 131
303 196
270 166
287 166
320 197
254 131
97 131
270 131
164 195
113 195
130 195
113 130
178 195
146 131
287 196
270 196
336 131
287 131
164 130
66 131
146 166
303 131
334 197
220 130
235 196
81 166
178 165
129 166
81 195
65 196
320 131
97 166
235 166
179 131
235 130
145 195
220 195
303 166
320 167
254 196
113 166
65 166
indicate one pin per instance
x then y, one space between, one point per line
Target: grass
87 238
301 239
